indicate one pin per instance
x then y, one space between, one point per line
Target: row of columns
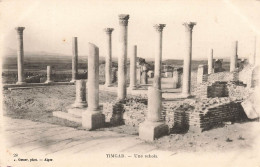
122 58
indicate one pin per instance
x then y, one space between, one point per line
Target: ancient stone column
74 59
210 62
176 78
153 126
144 78
49 75
20 56
133 68
138 74
158 54
80 101
93 118
201 74
186 84
108 67
252 58
122 57
233 58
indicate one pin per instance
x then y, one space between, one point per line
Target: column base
185 95
93 120
74 80
79 105
149 131
48 82
20 83
108 85
133 87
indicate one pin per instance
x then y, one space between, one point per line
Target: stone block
93 120
151 130
76 111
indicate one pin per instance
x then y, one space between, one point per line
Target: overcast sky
50 25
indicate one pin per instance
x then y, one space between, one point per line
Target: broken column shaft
210 61
20 56
80 101
108 66
74 59
233 58
49 74
93 117
153 127
133 68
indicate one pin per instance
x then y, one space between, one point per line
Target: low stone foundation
220 89
180 116
215 116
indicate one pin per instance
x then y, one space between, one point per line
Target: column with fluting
133 68
74 59
122 56
187 59
108 66
158 54
20 56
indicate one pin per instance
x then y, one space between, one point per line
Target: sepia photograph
129 83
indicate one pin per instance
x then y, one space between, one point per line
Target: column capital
19 29
159 27
123 19
189 25
108 30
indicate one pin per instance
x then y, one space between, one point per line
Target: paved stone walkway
54 145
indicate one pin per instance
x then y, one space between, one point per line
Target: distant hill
40 60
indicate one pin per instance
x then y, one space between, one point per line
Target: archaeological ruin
155 99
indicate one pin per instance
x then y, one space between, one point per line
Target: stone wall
180 116
233 89
222 76
215 116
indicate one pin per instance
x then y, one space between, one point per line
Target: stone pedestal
153 127
74 59
80 101
186 84
133 68
93 117
150 131
158 53
122 56
233 58
49 74
108 67
20 56
210 62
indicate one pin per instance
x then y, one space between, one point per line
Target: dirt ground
37 104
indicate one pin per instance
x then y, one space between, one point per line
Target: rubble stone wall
222 76
215 116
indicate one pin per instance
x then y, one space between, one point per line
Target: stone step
76 111
67 116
